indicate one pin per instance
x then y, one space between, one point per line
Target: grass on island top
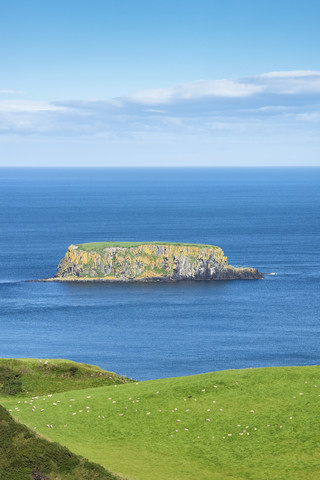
88 247
244 424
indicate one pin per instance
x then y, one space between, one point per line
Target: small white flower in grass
305 382
290 418
247 426
120 414
102 416
300 393
19 401
99 416
48 425
51 426
294 397
203 390
315 386
160 411
268 425
148 413
137 383
25 401
251 411
171 435
213 401
248 433
215 386
157 393
114 401
241 433
188 410
198 436
10 410
186 429
236 383
223 438
111 398
89 396
176 430
255 428
213 437
229 434
80 411
178 420
221 409
65 425
208 420
74 413
281 426
238 425
176 409
54 404
208 410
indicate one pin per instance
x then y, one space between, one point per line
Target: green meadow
99 246
242 424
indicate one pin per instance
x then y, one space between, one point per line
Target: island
148 262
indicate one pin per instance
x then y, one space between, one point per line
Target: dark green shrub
10 381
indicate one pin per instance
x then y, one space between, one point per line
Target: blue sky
159 83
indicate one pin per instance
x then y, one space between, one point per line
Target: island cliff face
148 262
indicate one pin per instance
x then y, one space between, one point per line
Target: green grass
41 376
24 455
99 246
264 424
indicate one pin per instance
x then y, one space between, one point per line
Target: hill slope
25 456
244 424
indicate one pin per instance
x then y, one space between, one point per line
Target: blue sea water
266 218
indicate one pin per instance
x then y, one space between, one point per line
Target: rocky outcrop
148 262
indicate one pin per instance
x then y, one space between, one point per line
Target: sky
183 83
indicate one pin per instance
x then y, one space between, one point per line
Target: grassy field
24 455
44 376
98 246
241 424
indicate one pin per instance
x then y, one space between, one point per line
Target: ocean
268 218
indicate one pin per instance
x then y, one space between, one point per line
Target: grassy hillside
40 376
241 424
25 456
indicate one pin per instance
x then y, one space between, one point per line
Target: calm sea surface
266 218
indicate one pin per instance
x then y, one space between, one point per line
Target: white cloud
28 106
272 100
194 91
291 74
10 92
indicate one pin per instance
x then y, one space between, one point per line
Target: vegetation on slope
40 376
242 424
24 456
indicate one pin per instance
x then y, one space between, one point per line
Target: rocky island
149 261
